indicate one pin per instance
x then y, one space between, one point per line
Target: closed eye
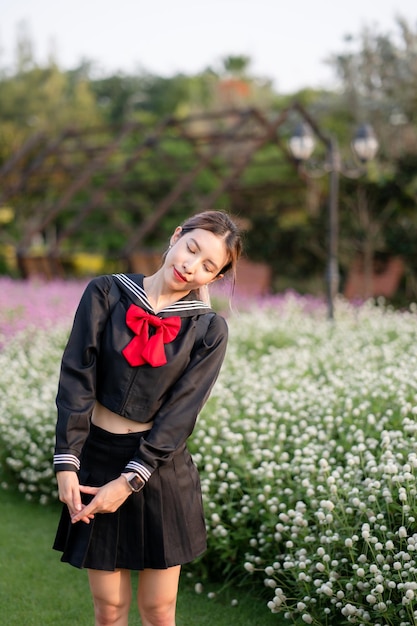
194 248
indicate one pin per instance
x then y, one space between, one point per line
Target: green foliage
117 96
380 75
42 100
286 216
306 451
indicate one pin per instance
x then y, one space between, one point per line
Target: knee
109 615
162 614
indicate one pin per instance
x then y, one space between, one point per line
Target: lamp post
365 146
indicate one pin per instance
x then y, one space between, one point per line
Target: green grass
36 589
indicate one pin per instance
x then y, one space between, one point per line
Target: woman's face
195 259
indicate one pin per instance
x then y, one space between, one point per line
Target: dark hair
222 225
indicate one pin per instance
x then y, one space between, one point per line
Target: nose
188 266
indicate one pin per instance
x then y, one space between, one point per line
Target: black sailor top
142 366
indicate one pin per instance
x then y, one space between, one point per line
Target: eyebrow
216 268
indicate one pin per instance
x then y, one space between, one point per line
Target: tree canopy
377 75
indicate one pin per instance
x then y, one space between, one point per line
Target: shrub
308 456
28 384
307 451
34 325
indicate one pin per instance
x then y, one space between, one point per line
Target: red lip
179 276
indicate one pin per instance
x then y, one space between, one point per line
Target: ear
175 236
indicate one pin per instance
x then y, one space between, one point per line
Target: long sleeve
77 385
176 419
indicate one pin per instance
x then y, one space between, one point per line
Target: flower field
307 450
34 321
36 305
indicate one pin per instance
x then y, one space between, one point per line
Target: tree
236 65
379 76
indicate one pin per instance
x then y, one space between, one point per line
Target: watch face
136 483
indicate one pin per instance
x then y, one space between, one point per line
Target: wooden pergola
55 184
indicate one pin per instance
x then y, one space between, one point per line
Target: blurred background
119 120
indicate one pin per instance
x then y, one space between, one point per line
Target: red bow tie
144 349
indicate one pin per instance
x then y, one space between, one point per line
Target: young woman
142 357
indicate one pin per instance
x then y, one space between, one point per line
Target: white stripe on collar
140 293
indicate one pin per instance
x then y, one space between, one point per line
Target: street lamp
365 146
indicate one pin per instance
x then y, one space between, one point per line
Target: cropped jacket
166 384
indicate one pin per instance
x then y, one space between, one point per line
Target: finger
74 502
80 517
88 489
86 514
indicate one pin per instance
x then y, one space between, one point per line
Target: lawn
36 589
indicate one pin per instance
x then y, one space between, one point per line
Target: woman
141 359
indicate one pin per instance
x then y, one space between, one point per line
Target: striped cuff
67 459
138 468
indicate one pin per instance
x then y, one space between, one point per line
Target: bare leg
157 596
112 595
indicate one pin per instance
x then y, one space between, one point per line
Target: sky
287 42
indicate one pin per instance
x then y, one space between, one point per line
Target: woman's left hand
107 499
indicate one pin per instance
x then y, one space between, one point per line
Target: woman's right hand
69 493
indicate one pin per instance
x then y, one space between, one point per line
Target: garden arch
125 180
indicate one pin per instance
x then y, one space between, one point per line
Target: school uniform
147 368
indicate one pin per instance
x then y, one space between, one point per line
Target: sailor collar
132 285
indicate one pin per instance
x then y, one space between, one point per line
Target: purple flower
36 303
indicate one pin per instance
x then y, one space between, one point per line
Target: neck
157 292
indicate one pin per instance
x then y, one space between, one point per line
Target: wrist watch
134 481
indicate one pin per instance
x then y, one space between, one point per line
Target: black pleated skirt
161 526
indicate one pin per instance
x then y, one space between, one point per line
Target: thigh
110 588
158 587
